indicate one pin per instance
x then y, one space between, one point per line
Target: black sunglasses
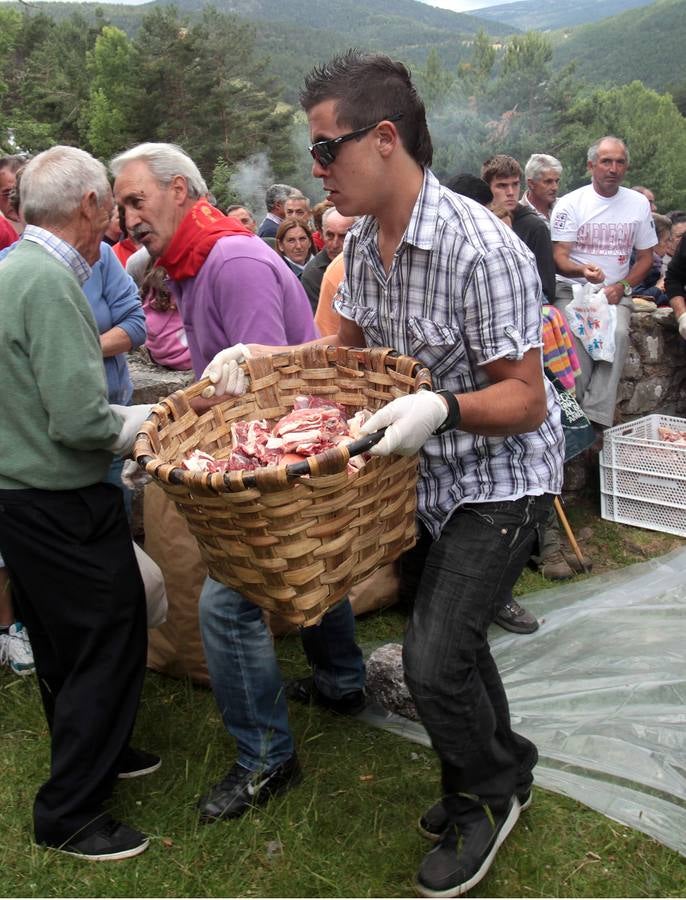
324 152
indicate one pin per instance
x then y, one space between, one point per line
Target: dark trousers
460 581
78 589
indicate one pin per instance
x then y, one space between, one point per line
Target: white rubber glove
132 476
133 417
682 325
411 421
224 372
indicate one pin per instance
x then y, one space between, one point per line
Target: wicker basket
292 538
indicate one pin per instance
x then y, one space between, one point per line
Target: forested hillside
202 80
292 35
646 43
545 15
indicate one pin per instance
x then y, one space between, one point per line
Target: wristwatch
454 416
628 290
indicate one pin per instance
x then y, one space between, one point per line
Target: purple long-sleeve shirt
244 293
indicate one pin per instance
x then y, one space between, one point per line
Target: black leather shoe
304 690
136 763
112 841
465 853
241 789
435 821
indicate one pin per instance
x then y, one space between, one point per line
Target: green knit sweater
54 417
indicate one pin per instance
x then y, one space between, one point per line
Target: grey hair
592 155
325 215
298 195
278 193
538 163
332 209
55 182
165 162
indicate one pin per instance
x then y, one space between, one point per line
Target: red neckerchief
199 231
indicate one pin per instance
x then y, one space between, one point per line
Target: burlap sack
176 647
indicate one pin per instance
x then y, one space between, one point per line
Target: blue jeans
461 581
245 676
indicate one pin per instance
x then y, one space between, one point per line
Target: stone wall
152 382
654 377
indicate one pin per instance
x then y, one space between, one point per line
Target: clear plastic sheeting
601 689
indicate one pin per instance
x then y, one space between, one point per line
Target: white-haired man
594 230
64 534
232 288
297 206
334 229
542 173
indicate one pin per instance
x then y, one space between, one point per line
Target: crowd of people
472 278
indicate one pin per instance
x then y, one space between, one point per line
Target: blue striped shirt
462 292
60 249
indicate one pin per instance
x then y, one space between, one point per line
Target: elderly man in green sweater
63 531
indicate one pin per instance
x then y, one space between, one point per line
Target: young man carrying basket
435 276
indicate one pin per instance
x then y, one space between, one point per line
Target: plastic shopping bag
593 320
578 432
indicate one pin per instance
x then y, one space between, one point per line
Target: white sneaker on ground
15 650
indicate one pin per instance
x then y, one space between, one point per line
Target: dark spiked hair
369 88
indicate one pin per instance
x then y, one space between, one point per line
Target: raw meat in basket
313 426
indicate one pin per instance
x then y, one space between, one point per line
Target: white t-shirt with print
604 230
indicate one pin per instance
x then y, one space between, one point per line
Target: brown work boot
555 567
573 562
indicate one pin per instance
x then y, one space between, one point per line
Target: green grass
346 831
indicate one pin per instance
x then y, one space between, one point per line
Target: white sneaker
4 649
15 650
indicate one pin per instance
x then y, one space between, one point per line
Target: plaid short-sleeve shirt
462 291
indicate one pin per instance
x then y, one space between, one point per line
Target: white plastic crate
643 479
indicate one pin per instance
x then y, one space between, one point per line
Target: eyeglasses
324 152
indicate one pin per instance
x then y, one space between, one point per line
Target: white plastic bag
593 321
155 591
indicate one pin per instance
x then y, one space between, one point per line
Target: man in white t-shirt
594 230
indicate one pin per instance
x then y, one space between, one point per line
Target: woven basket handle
196 390
361 445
